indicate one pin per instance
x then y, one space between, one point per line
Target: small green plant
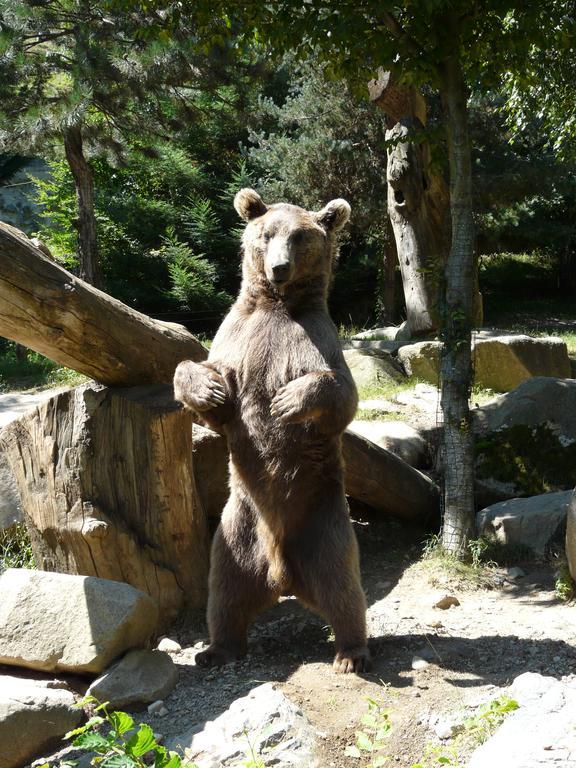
477 729
372 738
119 743
15 548
564 584
475 569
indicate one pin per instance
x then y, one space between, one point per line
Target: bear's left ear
249 204
334 215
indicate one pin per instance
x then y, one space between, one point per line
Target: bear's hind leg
329 583
238 589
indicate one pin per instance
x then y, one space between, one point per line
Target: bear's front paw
289 403
198 387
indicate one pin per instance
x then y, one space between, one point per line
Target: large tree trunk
389 294
46 308
418 201
86 221
456 370
107 487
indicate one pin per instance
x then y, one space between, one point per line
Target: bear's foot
217 656
353 660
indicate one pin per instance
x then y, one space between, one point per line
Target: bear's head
287 247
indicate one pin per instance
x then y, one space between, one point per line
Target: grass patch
444 569
386 389
15 548
34 370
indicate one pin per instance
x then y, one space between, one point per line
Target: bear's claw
352 660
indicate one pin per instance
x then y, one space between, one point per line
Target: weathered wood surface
49 310
107 487
418 201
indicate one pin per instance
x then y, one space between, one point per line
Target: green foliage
475 569
533 458
119 743
15 548
34 370
372 738
564 584
476 730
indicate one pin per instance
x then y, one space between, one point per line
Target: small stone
514 573
155 707
435 624
419 663
169 646
447 601
444 730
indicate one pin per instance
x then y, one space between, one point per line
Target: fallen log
49 310
107 487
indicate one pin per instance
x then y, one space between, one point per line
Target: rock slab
501 362
529 522
397 437
57 622
139 678
371 368
33 717
265 723
540 733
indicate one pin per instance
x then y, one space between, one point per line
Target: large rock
391 347
33 717
501 361
542 400
372 368
139 678
265 722
211 473
397 437
53 621
540 733
528 522
571 536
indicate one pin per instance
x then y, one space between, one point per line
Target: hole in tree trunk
399 196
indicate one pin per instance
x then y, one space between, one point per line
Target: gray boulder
391 347
540 733
501 361
33 718
541 400
571 536
73 623
371 368
397 437
139 678
264 722
528 522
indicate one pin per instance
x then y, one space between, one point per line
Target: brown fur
277 385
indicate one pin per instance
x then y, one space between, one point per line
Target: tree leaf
363 741
142 741
93 740
121 722
352 751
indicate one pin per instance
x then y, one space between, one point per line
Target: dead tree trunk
418 202
86 221
49 310
107 487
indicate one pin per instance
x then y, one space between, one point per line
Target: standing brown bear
277 385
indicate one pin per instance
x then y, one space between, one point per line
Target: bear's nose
281 272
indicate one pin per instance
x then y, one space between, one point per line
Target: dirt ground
496 633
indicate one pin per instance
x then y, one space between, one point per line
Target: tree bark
49 310
107 487
86 221
456 366
418 201
389 294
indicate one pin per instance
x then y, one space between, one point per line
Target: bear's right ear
249 204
